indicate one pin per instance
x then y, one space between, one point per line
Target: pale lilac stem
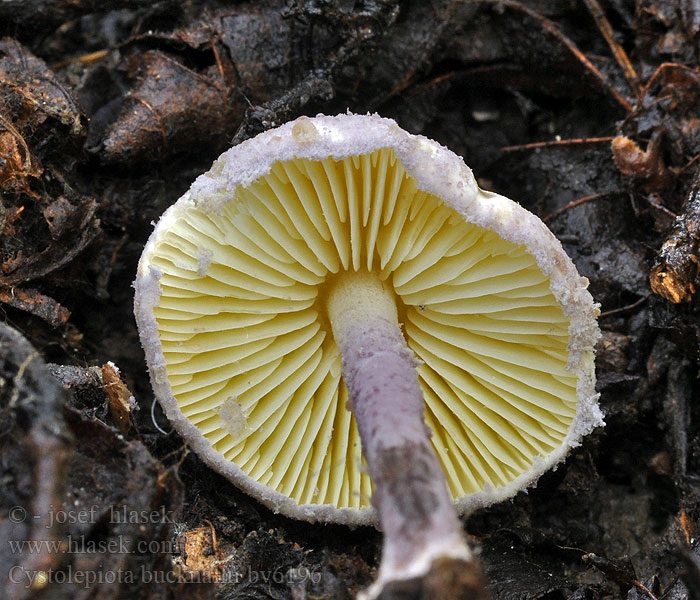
415 510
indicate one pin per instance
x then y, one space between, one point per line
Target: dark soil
586 112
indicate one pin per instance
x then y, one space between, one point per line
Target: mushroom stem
416 513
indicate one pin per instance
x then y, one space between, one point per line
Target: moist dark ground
109 110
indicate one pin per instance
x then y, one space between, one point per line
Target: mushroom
336 291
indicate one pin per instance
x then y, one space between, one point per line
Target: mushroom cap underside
231 308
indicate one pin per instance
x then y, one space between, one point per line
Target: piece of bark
645 165
72 227
32 301
200 557
31 93
675 273
171 108
119 399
